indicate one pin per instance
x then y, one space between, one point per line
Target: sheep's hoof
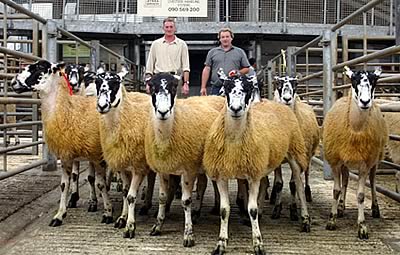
215 211
195 216
188 241
72 201
306 224
55 222
276 213
331 225
258 250
120 223
17 142
272 198
362 231
219 250
144 210
129 233
107 219
293 213
307 192
375 211
156 230
92 206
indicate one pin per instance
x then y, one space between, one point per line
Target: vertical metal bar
137 60
284 27
291 61
35 128
44 41
217 11
94 55
345 57
77 9
35 37
5 59
126 11
227 11
76 52
372 17
397 21
276 11
327 83
391 18
325 7
256 11
116 12
258 53
365 37
270 87
307 72
338 6
63 13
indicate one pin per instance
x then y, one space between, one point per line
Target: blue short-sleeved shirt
233 59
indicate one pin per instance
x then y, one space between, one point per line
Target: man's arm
185 88
204 79
244 70
185 68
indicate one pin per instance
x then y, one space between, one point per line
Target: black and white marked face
32 76
238 91
163 87
108 87
285 89
75 75
363 85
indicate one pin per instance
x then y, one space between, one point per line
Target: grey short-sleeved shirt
233 59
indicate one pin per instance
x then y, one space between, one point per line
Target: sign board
172 8
70 51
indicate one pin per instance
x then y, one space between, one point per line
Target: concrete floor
29 200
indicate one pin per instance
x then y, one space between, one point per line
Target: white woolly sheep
285 93
174 143
354 136
245 143
70 129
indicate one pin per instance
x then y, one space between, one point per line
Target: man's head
252 62
225 36
169 26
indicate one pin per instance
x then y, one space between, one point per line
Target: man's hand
185 89
203 92
233 73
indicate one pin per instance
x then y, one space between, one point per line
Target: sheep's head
285 91
363 85
75 74
109 90
238 92
163 87
32 76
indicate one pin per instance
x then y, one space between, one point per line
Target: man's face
169 28
225 39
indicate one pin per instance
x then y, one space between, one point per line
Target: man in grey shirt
228 57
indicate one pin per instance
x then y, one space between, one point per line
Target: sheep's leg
278 185
162 202
187 188
342 200
130 228
121 221
75 185
100 172
254 187
120 183
375 206
91 179
277 181
173 190
261 195
293 206
307 188
224 215
201 189
151 179
305 217
65 180
109 177
266 188
215 209
16 138
362 226
242 199
336 172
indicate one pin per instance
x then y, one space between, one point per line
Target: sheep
122 123
81 80
71 130
174 141
285 93
354 136
246 143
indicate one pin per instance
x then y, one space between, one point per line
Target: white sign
172 8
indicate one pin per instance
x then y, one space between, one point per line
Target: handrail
18 53
24 11
70 35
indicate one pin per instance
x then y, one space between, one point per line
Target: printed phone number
183 9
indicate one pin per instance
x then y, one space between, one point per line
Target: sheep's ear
123 73
177 77
87 68
100 70
348 72
276 78
55 68
378 71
